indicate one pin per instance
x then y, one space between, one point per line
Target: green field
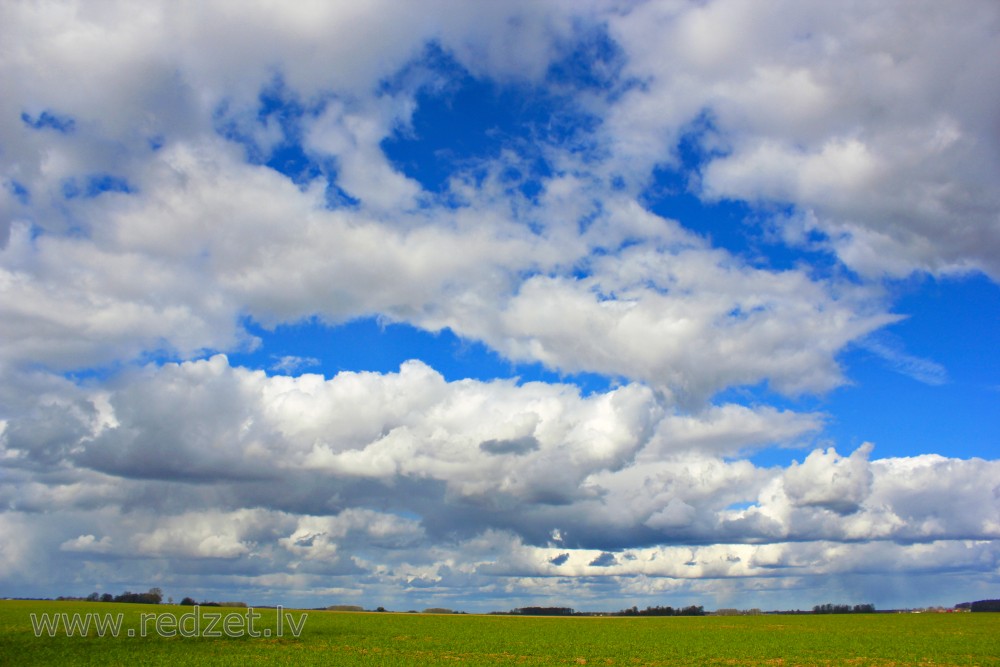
420 639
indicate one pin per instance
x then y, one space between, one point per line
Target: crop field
166 634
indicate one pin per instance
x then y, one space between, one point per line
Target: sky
488 305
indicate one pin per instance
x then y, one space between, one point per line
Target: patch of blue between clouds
280 105
49 120
745 230
277 104
673 193
594 65
462 124
370 344
100 374
93 185
774 457
20 192
740 506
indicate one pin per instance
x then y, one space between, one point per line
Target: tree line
152 596
985 605
187 602
844 609
662 611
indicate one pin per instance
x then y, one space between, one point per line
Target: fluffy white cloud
88 544
688 321
606 471
875 122
829 481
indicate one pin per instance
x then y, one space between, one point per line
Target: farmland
158 637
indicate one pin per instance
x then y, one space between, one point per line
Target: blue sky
483 306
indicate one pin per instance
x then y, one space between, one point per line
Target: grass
419 639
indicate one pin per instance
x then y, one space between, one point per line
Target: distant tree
188 602
663 611
93 597
107 597
153 596
986 605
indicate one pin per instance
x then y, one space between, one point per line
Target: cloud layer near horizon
263 474
171 177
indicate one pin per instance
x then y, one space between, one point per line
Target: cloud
687 321
874 122
829 481
891 351
560 559
204 238
610 471
604 560
518 446
290 363
732 429
87 544
825 516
